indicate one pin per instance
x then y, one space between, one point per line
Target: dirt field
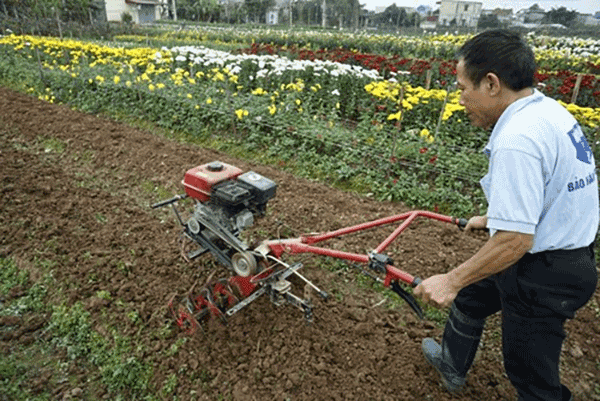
76 188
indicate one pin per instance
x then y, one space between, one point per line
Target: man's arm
501 251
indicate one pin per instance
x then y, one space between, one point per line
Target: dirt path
75 191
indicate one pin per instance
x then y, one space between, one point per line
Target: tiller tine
213 300
183 314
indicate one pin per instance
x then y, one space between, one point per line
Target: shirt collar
513 108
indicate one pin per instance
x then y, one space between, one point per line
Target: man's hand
437 290
476 223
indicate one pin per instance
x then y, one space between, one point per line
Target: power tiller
226 201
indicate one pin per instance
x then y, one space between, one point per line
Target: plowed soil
76 189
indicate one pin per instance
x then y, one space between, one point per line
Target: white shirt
542 176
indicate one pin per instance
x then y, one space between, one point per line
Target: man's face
480 106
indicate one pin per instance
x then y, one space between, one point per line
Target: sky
582 6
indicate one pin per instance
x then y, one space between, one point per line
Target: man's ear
492 83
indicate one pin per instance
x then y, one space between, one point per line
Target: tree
309 12
414 19
536 7
394 16
257 9
488 21
198 10
67 10
561 16
346 12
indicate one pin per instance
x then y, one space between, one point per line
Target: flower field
87 268
377 114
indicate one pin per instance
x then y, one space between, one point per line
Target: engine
226 202
226 196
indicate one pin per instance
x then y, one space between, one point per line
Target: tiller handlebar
376 260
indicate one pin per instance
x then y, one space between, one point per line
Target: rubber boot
453 358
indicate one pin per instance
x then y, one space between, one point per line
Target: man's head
494 69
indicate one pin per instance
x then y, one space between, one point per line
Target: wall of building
140 13
464 13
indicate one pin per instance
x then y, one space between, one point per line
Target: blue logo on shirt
584 153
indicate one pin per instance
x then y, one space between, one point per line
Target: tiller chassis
225 203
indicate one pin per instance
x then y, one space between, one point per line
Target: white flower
335 92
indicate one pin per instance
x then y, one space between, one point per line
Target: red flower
564 90
422 150
433 159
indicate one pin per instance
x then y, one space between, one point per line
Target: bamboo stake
42 78
428 79
576 89
58 23
399 126
231 109
594 145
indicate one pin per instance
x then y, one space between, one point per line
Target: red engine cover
198 182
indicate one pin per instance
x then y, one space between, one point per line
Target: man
538 266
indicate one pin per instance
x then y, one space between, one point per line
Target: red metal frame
303 244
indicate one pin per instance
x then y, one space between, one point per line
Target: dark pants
536 296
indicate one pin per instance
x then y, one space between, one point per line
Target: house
504 15
532 15
141 11
430 22
273 16
459 13
589 19
273 12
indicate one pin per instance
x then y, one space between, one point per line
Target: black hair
501 52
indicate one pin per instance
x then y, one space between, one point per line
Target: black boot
453 358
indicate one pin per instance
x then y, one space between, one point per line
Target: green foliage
561 16
169 386
488 21
32 294
122 371
52 145
73 331
126 18
11 276
19 368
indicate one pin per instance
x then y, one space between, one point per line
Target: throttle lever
410 300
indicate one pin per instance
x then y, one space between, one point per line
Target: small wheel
244 264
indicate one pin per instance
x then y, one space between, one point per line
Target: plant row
437 72
552 53
338 122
